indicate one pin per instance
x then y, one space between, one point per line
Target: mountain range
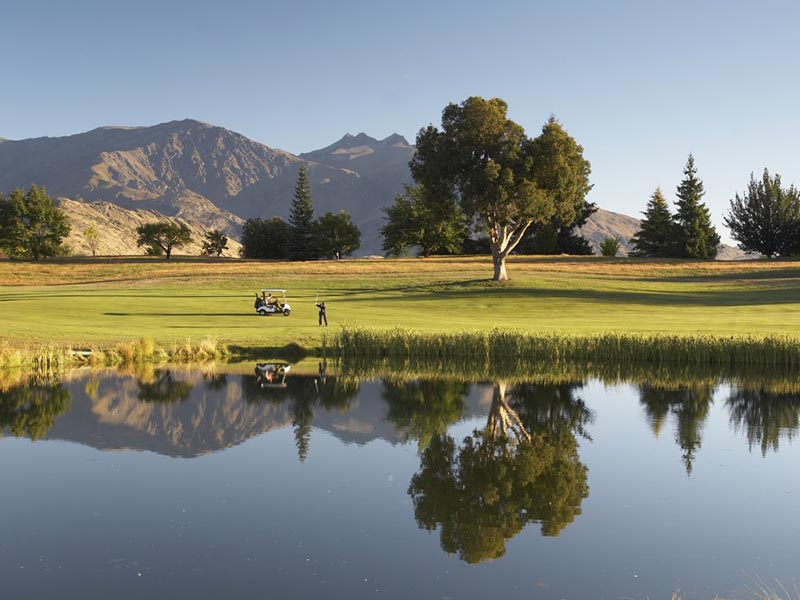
211 178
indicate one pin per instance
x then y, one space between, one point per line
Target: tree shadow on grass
705 297
174 314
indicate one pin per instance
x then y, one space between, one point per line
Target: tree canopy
766 218
419 220
166 235
215 243
31 226
500 179
337 235
265 238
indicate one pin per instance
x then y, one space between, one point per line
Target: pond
262 481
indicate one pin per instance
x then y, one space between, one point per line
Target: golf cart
272 375
268 304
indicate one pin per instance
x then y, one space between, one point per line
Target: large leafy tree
499 177
766 218
302 238
31 226
696 237
166 235
337 235
265 238
657 231
432 225
479 158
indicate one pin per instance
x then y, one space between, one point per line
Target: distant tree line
482 186
688 233
764 220
303 237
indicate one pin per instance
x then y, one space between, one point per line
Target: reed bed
518 350
44 358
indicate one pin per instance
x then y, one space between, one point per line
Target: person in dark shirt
322 313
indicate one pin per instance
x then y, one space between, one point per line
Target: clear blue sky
638 84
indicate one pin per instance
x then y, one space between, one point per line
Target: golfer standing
322 314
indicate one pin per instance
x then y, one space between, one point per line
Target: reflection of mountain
184 415
112 416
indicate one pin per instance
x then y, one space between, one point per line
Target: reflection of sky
252 520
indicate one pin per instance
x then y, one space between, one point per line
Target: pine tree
656 234
696 236
302 244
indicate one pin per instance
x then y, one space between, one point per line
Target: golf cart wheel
286 312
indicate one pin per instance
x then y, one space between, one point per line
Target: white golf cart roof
274 290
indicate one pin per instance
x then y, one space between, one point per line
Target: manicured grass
99 302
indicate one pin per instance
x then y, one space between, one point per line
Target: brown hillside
116 229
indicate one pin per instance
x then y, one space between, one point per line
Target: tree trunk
499 261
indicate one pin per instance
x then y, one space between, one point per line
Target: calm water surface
182 483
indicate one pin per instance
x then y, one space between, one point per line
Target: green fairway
103 301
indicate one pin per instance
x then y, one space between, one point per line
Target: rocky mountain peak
395 140
349 140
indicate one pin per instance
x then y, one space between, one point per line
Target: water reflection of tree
552 408
164 387
766 416
31 409
422 409
689 405
501 478
304 394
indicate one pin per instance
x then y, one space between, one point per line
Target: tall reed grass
519 349
46 358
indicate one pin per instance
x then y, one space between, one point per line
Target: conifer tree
696 237
302 244
656 231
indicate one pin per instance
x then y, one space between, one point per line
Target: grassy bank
104 302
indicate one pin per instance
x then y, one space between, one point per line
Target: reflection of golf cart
272 375
267 304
